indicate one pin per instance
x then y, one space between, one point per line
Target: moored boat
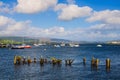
56 45
73 45
99 45
17 47
27 46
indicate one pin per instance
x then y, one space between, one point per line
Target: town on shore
6 42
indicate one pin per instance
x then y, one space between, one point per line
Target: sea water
77 71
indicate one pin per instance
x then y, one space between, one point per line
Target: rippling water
9 71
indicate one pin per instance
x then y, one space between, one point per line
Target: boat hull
16 48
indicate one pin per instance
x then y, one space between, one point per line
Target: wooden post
93 62
35 60
59 61
66 62
69 62
24 60
108 63
96 62
53 62
84 61
29 60
41 61
18 59
15 60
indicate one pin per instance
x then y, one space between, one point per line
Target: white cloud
1 3
100 32
34 6
105 27
10 27
60 7
71 11
71 1
4 21
106 16
5 8
109 28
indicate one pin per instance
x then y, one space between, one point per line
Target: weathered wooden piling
69 62
17 60
24 60
93 62
96 62
59 61
53 62
108 63
29 60
35 60
66 62
41 61
84 61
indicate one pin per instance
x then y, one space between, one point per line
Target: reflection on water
48 71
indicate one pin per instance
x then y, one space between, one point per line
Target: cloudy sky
81 20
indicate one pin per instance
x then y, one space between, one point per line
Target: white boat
17 47
76 45
62 44
73 45
35 44
99 45
56 45
26 46
39 44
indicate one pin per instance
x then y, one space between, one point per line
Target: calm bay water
9 71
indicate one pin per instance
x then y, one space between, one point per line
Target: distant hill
28 39
39 39
59 40
21 39
114 42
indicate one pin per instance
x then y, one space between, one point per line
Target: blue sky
81 20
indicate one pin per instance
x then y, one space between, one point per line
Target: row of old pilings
95 63
28 60
22 60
